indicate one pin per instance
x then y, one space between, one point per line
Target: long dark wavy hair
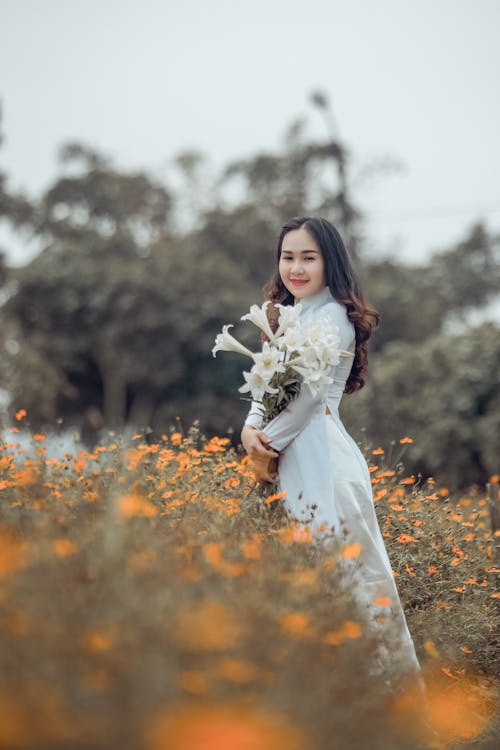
343 284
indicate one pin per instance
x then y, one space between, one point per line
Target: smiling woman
301 265
321 469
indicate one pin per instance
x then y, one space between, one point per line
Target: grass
155 596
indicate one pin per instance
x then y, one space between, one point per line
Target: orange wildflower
351 551
383 601
12 550
237 670
408 480
213 555
135 505
406 539
222 727
406 441
348 630
276 496
38 437
64 547
232 482
378 452
96 641
296 533
295 624
251 548
20 414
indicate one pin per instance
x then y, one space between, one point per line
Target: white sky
416 80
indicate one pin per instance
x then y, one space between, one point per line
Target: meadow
154 595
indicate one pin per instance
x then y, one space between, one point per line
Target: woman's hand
258 447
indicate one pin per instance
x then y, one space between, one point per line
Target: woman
321 468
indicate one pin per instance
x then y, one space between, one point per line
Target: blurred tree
445 393
126 316
418 301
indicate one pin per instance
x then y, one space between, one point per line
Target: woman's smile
300 254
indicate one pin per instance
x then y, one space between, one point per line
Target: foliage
153 593
112 324
447 389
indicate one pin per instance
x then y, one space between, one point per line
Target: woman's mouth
298 282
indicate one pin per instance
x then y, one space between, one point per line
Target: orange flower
406 441
378 452
276 496
176 438
213 555
295 624
12 550
432 570
383 601
348 630
38 437
408 480
20 414
135 505
251 548
406 539
97 640
64 547
296 533
222 727
351 551
237 670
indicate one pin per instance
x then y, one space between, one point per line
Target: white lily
293 338
268 361
256 384
315 379
258 316
226 343
289 316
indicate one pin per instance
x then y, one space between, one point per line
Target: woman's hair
343 284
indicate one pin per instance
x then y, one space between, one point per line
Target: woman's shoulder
337 314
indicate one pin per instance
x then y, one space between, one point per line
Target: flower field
154 595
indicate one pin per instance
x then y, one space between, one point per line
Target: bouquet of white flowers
296 353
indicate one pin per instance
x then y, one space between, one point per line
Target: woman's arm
291 421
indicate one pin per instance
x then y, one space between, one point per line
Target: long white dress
327 481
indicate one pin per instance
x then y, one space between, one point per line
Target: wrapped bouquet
295 355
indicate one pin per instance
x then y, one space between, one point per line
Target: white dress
327 481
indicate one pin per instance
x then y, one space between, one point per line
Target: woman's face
301 264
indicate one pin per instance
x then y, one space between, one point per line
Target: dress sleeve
254 418
291 421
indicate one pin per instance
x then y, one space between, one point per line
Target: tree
125 317
445 394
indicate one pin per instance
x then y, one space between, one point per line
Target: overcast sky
416 80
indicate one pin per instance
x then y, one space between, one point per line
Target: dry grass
156 597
